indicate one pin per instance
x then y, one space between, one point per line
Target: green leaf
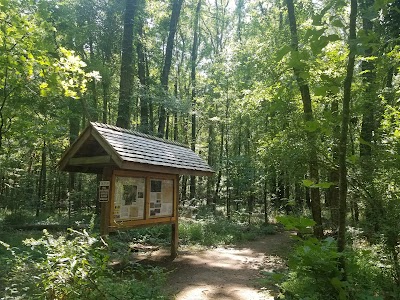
337 23
311 126
320 91
333 38
334 89
338 285
282 52
314 34
353 159
324 185
308 182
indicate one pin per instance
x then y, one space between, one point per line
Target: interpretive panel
129 198
161 198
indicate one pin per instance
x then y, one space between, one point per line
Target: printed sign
161 198
104 191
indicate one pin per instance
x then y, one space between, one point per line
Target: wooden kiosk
140 175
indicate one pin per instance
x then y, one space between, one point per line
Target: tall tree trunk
220 161
210 161
265 198
193 63
106 94
74 126
239 13
126 79
93 112
176 119
373 208
344 132
333 192
176 10
228 167
308 117
167 122
144 103
42 180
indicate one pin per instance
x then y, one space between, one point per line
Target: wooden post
174 231
105 206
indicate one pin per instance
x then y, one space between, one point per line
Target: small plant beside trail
314 274
74 266
219 231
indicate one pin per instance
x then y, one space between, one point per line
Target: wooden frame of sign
141 199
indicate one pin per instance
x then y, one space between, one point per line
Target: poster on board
129 198
161 198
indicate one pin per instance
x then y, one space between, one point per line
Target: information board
129 199
161 198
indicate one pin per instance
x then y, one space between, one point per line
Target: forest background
294 104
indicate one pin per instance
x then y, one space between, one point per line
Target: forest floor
226 272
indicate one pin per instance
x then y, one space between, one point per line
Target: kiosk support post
174 231
105 206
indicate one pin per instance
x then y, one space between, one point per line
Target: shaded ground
225 272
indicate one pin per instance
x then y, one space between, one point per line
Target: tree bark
333 192
42 180
193 63
344 132
210 161
176 118
265 199
220 162
144 103
126 79
176 10
239 13
373 208
308 117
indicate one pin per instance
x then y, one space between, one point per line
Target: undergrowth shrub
314 273
313 270
75 266
220 231
20 217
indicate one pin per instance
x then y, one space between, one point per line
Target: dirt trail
227 272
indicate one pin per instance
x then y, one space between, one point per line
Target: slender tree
308 117
370 116
344 131
193 63
144 103
176 10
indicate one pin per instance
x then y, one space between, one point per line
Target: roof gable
102 145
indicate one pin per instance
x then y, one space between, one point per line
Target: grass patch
213 232
27 217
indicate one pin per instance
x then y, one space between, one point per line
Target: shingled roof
102 145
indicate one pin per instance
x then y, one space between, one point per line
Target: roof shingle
138 149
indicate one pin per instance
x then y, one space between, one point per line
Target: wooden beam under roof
91 160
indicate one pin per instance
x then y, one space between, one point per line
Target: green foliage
74 266
314 274
19 217
220 231
160 234
301 224
313 270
